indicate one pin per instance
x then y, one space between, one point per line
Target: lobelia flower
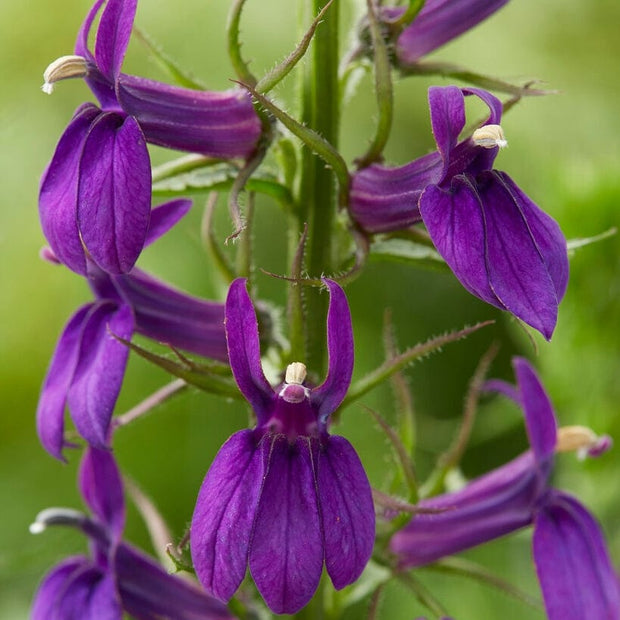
285 497
572 562
88 365
438 22
501 246
116 578
96 190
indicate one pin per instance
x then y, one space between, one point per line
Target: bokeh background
564 152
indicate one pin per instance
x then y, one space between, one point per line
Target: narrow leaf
408 252
170 66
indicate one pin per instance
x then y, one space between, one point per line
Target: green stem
318 197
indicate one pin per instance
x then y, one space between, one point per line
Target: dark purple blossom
573 565
438 22
88 366
96 191
116 577
285 497
501 246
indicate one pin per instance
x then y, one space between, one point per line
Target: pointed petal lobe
53 585
538 410
224 515
100 371
59 191
518 272
164 217
114 192
51 408
456 223
328 396
244 350
286 555
101 487
347 511
113 36
573 565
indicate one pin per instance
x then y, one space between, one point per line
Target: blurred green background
564 152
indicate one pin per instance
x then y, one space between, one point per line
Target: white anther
577 439
64 68
490 136
295 373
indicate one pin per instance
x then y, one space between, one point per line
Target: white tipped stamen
489 137
295 373
64 68
56 516
36 527
579 439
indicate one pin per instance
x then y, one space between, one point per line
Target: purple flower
88 366
572 562
96 191
284 497
116 578
498 243
438 22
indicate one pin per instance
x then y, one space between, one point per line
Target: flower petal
220 124
58 192
224 515
164 217
447 107
490 506
244 350
440 21
101 487
347 511
547 235
53 586
74 603
455 220
148 591
326 398
537 409
173 317
384 199
572 562
100 370
81 44
114 192
51 408
286 555
113 36
518 270
104 601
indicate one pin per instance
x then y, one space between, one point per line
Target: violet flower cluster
501 246
115 577
573 565
96 192
285 500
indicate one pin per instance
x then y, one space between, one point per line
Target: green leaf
209 378
410 252
489 82
218 177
